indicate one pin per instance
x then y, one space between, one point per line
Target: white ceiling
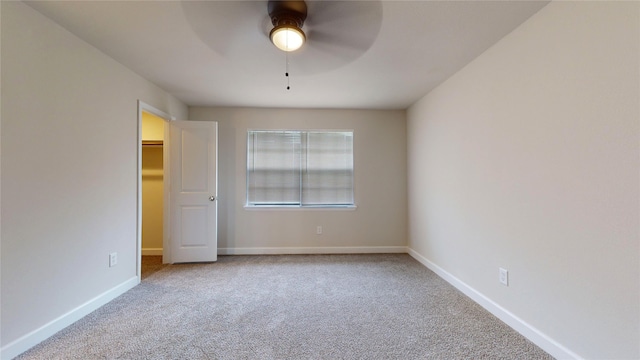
217 53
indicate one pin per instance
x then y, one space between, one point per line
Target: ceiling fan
334 33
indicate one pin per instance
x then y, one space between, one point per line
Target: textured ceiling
217 53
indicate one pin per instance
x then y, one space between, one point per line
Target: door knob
212 198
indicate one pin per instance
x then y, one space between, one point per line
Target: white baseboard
534 335
313 250
151 251
33 338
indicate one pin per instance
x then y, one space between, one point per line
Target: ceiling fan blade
225 25
353 41
348 25
338 32
324 11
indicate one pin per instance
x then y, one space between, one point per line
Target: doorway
152 192
189 185
152 188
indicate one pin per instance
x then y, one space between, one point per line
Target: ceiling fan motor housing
292 12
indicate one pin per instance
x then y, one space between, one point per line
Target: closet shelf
152 173
152 142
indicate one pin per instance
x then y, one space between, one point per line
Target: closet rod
152 142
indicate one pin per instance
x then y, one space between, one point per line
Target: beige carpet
290 307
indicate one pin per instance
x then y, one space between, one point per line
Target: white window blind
299 168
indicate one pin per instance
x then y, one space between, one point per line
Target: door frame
166 254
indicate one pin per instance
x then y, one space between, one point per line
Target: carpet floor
382 306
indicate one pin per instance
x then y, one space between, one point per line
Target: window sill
300 208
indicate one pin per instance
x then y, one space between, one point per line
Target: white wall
378 224
69 165
527 159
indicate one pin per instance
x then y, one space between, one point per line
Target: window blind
299 168
273 168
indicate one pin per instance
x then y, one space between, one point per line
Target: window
299 168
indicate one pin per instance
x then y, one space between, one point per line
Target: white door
193 206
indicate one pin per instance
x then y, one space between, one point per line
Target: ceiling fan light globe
287 38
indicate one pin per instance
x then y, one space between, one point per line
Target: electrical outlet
113 259
319 230
504 277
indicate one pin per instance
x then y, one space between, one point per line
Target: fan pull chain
287 69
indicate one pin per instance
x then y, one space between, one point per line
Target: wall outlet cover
504 277
113 259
